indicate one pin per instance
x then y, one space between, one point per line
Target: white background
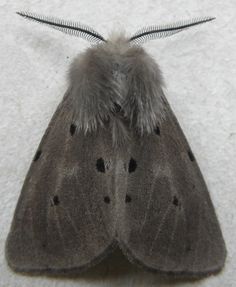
199 66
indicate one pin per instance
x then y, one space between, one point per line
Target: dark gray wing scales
61 221
170 225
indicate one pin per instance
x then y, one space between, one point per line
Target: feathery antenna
154 32
68 27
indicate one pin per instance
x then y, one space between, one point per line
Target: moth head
141 36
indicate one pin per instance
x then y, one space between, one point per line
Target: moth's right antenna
154 32
68 27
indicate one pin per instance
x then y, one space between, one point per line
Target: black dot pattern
107 199
175 201
72 129
127 198
55 200
191 156
100 165
132 165
37 155
157 131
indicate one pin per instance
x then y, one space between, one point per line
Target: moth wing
61 221
169 223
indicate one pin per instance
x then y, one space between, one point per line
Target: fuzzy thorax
117 83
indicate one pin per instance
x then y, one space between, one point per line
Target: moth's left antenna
68 27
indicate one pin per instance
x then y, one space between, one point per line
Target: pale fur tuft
118 84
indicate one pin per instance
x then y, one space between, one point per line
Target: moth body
114 170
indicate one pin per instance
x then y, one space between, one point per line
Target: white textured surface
199 66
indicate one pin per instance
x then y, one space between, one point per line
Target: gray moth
114 170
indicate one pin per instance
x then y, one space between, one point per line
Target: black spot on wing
191 156
175 201
55 200
100 165
132 165
72 129
127 198
157 131
117 108
107 199
37 155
